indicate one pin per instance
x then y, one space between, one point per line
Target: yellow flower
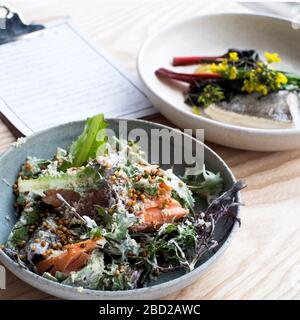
272 57
233 56
223 66
248 86
281 79
252 74
214 68
232 73
261 88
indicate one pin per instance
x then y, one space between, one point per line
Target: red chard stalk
185 77
186 61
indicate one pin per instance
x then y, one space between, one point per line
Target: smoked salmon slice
74 258
157 212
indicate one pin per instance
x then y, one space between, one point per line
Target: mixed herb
237 72
99 216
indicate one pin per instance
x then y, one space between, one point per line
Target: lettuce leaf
19 232
90 143
204 183
180 190
78 180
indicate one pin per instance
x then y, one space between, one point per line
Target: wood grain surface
263 260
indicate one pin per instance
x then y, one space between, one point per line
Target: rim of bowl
223 125
30 277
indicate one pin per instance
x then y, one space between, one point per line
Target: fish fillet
274 111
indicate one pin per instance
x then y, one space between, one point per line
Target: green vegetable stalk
91 142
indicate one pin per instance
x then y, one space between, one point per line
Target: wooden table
263 261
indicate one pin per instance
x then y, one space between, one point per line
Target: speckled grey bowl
43 145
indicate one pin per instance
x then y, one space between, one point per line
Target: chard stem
185 77
186 61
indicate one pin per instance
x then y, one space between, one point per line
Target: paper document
56 75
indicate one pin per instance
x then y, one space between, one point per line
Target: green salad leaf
181 191
19 233
76 180
204 183
91 142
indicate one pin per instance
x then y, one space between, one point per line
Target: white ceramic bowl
213 35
